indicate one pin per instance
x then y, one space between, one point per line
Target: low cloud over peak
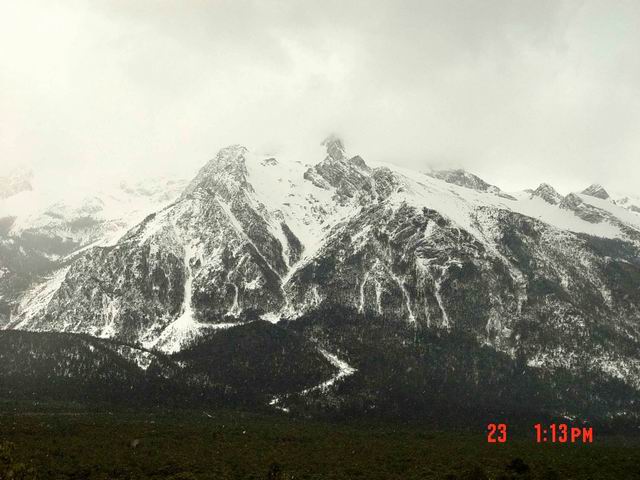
519 92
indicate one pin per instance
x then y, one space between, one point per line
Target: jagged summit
348 176
582 209
548 194
257 237
629 203
335 147
596 190
462 178
226 171
336 152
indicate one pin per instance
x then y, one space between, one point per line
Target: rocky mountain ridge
547 280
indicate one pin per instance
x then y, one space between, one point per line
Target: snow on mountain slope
596 190
85 216
564 219
287 202
465 179
256 236
35 301
458 203
44 228
625 215
629 202
547 193
309 211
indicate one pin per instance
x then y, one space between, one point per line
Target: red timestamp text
563 433
552 433
497 433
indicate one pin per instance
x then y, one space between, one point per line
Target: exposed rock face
256 237
583 210
632 204
39 235
81 218
465 179
209 255
597 191
347 176
335 148
597 215
548 194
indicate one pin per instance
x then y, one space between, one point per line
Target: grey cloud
519 91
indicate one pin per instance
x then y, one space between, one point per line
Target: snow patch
344 370
36 300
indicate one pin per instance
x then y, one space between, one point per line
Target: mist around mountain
334 286
15 181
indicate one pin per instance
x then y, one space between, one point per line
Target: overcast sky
518 91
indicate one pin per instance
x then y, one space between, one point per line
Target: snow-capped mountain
463 178
41 230
79 218
543 279
630 203
547 193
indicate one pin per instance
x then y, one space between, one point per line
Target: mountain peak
596 190
547 193
462 178
335 147
629 203
230 153
227 171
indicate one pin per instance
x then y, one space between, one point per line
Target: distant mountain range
14 182
333 285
